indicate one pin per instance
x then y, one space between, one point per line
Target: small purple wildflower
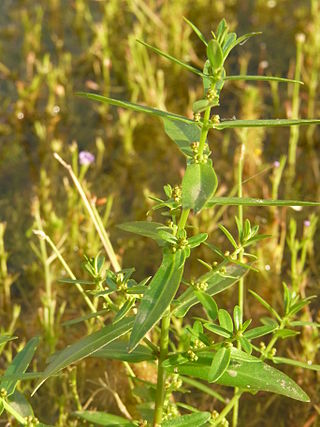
306 223
276 164
86 158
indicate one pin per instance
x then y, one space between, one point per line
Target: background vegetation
50 49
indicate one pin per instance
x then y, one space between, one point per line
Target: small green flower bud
192 356
197 117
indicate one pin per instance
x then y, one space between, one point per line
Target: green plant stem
160 392
183 219
165 323
241 281
204 130
93 215
232 404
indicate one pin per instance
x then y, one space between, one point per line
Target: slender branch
160 393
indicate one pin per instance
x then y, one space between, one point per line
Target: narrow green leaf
230 124
216 283
265 304
219 330
228 235
103 419
182 134
202 104
19 365
85 347
245 344
237 317
83 318
77 281
262 78
119 350
198 185
20 404
229 41
208 304
219 364
260 331
241 40
159 295
249 201
125 308
304 365
215 55
172 58
134 107
286 333
195 241
196 30
250 376
144 228
225 320
304 323
190 420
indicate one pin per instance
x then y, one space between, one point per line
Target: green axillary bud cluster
170 411
212 96
181 243
197 117
3 393
201 286
198 344
176 193
215 119
192 355
214 416
31 421
173 383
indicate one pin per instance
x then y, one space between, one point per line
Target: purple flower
306 223
86 158
276 164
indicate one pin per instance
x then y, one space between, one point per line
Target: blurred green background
51 49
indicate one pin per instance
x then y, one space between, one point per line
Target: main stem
160 393
241 281
165 323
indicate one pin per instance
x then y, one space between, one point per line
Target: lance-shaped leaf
84 318
191 420
249 201
262 78
144 228
85 347
19 365
197 31
198 185
271 123
241 40
304 365
135 107
119 350
219 364
159 295
172 58
20 404
183 134
260 331
104 419
214 54
250 376
216 283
